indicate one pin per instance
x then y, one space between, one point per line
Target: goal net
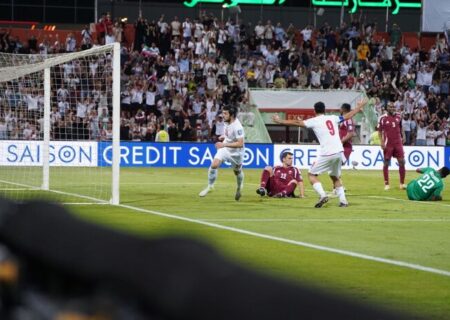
59 126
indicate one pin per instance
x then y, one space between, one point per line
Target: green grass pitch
377 224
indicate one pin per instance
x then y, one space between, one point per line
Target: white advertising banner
435 15
302 99
368 157
62 153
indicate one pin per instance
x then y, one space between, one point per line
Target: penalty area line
293 242
323 220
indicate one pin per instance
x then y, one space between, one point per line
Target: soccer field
381 249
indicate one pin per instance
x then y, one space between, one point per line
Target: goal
60 126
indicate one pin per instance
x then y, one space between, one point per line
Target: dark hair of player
346 107
285 154
444 171
232 110
389 104
319 107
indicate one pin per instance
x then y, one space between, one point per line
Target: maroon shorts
273 187
393 150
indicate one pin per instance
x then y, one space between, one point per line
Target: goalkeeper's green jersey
427 185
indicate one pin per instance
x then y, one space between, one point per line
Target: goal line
25 187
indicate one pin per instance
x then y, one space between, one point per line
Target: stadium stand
179 73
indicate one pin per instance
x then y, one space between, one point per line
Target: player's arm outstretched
359 107
296 122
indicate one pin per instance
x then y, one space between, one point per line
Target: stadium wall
200 155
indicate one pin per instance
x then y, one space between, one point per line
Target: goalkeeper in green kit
428 186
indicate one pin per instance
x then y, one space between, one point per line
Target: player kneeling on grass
428 186
281 181
231 150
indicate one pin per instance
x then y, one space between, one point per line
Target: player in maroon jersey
281 181
392 138
347 131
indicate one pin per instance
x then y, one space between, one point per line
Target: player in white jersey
326 128
230 150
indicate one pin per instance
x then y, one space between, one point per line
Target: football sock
386 174
341 194
212 176
319 189
265 178
402 171
240 178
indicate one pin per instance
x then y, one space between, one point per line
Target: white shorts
235 159
331 164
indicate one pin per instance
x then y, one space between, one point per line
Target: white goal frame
14 72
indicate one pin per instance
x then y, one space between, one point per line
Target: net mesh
80 116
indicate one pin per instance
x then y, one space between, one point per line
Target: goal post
55 111
46 141
115 185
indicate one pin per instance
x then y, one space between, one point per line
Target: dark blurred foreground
55 266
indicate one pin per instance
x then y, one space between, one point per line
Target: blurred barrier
80 270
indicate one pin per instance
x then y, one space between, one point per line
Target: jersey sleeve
339 119
350 125
239 132
309 123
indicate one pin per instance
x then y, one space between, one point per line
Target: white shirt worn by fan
32 102
81 110
326 128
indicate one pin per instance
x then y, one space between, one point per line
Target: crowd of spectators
177 74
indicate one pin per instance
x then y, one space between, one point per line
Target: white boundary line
20 185
97 201
84 203
269 237
57 192
18 189
324 220
294 242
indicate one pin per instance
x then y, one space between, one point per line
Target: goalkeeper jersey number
427 185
